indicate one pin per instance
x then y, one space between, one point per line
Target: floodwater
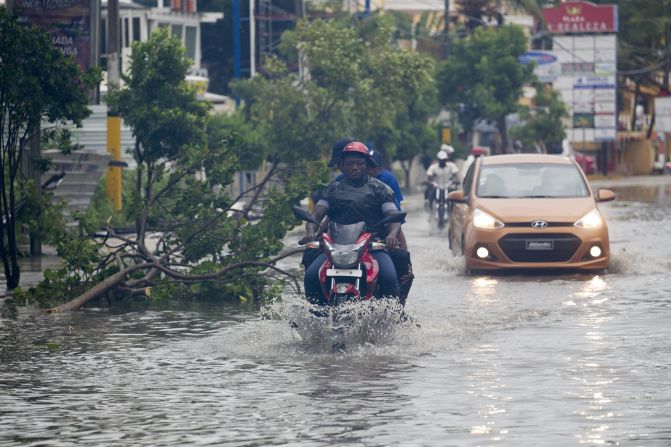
485 361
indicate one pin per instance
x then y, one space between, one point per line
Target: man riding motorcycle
357 197
443 173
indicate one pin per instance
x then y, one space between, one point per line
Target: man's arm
318 214
430 174
392 232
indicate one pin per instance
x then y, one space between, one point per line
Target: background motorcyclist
357 197
443 173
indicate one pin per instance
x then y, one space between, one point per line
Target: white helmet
442 155
447 149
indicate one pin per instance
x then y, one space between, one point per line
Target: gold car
528 211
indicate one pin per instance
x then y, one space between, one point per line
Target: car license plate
344 272
540 245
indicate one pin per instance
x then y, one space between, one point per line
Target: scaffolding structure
271 22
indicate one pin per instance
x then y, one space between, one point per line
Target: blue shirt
388 179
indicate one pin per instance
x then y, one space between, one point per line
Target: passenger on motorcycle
357 197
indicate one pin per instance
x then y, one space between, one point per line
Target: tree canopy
482 78
193 236
542 125
643 49
37 83
352 81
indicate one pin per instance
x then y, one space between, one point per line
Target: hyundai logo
539 224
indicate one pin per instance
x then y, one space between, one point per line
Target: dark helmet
336 151
376 158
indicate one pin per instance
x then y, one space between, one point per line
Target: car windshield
530 180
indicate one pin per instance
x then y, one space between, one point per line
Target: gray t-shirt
348 203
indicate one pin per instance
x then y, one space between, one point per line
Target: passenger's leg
400 258
403 266
403 243
313 289
387 280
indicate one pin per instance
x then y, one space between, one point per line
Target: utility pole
667 55
237 57
29 162
252 38
113 72
299 9
446 32
113 120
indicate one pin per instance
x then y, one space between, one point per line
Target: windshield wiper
536 196
494 197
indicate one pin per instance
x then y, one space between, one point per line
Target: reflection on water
550 360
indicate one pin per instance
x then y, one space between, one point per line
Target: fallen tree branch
117 280
98 290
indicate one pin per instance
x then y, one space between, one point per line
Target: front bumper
508 248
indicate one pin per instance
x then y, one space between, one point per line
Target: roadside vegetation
194 236
37 84
187 230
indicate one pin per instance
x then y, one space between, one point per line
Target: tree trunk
97 291
667 65
406 165
504 135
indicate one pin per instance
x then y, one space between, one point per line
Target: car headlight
345 255
590 220
485 221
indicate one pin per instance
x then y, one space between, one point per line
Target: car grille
515 247
528 224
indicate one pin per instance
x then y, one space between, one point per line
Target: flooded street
503 360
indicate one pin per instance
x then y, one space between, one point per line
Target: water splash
630 261
350 327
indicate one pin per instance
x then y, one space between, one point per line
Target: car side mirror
605 195
456 196
301 214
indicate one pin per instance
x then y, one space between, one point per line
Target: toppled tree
190 236
37 82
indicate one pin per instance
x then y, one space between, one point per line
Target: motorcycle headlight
590 220
345 255
485 221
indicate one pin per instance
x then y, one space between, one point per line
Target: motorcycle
439 207
350 271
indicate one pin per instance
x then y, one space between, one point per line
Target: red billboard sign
581 18
67 22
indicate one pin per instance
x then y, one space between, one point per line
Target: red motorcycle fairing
369 262
372 273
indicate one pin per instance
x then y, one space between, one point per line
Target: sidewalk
32 271
634 180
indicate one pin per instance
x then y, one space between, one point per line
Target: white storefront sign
587 84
